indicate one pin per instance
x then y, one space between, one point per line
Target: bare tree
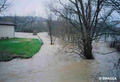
115 4
31 19
84 16
50 26
4 4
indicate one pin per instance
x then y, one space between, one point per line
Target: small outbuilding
7 30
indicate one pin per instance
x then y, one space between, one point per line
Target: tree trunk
51 40
88 50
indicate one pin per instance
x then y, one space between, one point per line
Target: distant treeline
26 23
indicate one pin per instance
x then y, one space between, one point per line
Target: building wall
7 31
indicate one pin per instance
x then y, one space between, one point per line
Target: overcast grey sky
26 7
35 7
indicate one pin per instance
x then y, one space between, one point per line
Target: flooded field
52 65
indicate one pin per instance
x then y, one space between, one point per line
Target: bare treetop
4 5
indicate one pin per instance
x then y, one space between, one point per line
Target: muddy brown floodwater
51 65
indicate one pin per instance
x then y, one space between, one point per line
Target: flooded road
50 65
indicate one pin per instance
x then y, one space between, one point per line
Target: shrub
112 44
115 44
35 32
118 47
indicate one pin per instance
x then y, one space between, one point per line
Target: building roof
7 23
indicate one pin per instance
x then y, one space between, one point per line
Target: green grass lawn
18 48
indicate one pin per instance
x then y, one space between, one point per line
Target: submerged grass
18 48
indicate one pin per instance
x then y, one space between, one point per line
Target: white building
7 30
